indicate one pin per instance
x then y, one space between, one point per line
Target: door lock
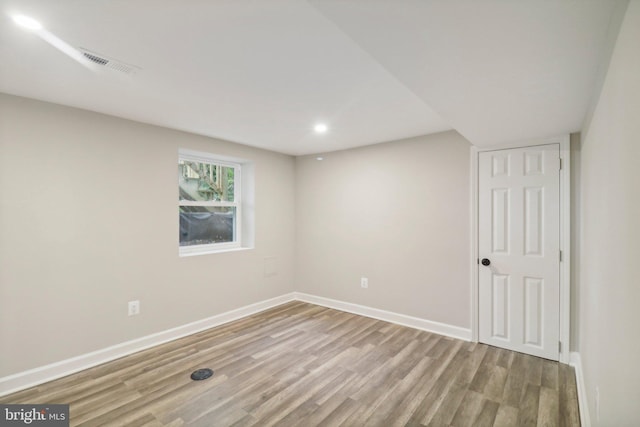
485 262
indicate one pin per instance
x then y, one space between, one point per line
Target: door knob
485 262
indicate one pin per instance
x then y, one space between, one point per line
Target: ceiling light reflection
27 22
31 24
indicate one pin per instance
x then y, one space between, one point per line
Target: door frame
565 236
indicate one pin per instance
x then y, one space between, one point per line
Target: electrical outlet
134 308
364 282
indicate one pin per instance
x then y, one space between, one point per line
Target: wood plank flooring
301 364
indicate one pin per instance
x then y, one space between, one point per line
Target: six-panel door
519 221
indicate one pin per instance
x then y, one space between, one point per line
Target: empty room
319 212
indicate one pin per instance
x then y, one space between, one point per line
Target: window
209 202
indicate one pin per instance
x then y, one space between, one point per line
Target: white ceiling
263 72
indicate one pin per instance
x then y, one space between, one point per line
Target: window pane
200 225
205 181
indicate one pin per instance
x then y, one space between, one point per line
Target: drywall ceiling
264 72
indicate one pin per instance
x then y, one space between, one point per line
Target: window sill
184 254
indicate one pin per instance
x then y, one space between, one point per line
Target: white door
519 249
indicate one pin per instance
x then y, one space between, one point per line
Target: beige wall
88 221
574 320
610 237
397 213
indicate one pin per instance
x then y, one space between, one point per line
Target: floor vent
201 374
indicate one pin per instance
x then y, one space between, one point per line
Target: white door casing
519 233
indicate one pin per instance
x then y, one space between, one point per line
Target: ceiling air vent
110 63
96 59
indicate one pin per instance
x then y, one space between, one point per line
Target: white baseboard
576 362
33 377
388 316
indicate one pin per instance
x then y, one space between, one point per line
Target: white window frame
200 157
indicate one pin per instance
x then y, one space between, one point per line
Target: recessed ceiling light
27 22
31 24
320 128
319 158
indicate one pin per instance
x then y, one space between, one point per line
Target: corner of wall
576 363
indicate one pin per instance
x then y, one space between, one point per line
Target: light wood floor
301 364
